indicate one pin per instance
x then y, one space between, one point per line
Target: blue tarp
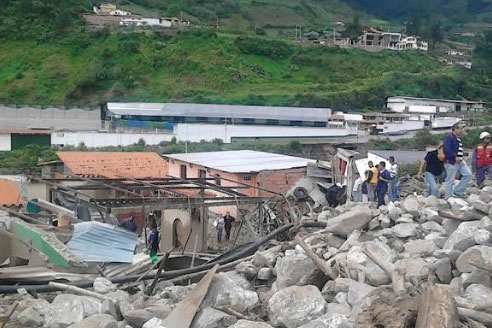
100 242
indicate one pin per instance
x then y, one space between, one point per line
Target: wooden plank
183 314
437 308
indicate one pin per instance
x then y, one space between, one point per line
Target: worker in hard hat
482 159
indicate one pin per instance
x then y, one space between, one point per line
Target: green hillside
58 60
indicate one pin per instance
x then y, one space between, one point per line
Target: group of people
447 163
224 223
378 180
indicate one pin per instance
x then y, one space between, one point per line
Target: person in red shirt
482 159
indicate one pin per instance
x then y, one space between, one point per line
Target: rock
332 320
414 268
477 276
405 230
463 237
443 270
30 317
486 195
385 221
250 324
482 237
450 225
212 318
103 286
374 223
433 226
479 255
334 240
480 295
69 309
154 323
394 212
288 273
231 289
97 321
137 317
357 291
481 207
354 219
374 274
266 258
411 206
430 215
420 247
249 270
294 306
265 274
405 218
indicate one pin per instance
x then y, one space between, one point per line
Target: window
217 180
202 175
182 171
247 177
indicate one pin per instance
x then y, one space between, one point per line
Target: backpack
368 176
440 152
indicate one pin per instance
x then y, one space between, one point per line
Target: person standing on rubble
482 159
454 162
357 189
228 219
433 169
153 243
129 224
393 170
384 177
371 179
219 226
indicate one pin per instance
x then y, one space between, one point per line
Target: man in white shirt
393 170
357 190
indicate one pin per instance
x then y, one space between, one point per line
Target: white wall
5 142
197 132
406 125
98 139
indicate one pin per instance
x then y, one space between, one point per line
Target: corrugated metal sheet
242 161
100 242
214 110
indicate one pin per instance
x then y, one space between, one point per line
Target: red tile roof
9 193
115 164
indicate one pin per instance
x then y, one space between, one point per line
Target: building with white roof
238 168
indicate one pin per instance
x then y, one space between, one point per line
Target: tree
354 29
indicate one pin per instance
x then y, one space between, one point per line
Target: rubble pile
416 263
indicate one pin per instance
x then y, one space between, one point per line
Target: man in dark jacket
228 219
454 162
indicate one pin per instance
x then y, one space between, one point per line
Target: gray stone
288 273
294 306
480 255
411 206
374 223
405 218
430 215
385 221
472 198
247 268
481 207
355 218
232 290
477 276
420 247
480 295
334 240
265 274
457 203
332 320
250 324
103 286
69 309
486 194
97 321
212 318
443 270
450 225
463 237
433 226
405 230
266 258
439 241
482 237
154 323
414 268
30 317
137 317
357 291
394 213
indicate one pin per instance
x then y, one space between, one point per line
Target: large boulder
69 309
250 324
97 321
331 320
479 255
231 289
463 237
294 306
405 230
288 273
479 295
212 318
